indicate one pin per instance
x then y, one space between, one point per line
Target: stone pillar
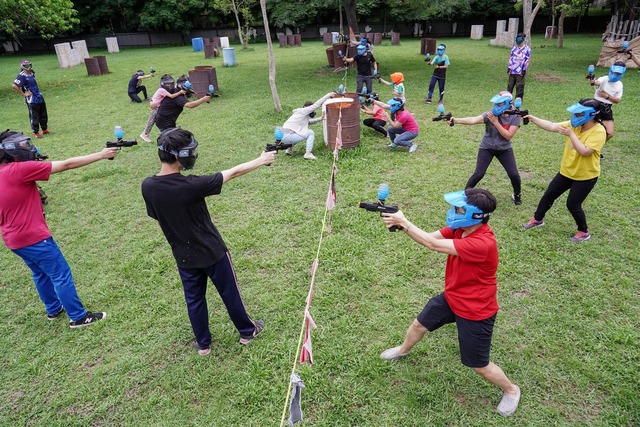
63 52
112 45
513 31
224 42
477 32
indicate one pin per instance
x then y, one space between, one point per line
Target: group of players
177 202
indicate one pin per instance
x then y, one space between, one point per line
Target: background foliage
567 332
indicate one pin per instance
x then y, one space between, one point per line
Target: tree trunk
237 14
528 15
272 61
563 14
350 13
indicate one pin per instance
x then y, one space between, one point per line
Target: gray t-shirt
492 140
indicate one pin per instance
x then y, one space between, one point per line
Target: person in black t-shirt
136 86
365 63
171 108
177 202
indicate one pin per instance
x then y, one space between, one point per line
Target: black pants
363 80
578 192
508 161
223 276
376 124
432 85
516 80
134 95
38 116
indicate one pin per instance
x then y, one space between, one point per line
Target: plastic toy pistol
427 57
590 73
120 142
625 48
341 90
212 92
442 115
383 193
278 145
517 103
152 70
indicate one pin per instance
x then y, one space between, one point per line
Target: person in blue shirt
441 61
25 84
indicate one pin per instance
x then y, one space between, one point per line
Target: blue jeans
223 276
52 277
294 138
399 136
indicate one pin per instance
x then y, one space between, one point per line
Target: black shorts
474 336
606 113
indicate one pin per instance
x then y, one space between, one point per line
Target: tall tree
272 61
170 15
352 17
568 8
46 18
240 9
528 15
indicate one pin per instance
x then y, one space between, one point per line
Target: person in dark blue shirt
135 86
25 84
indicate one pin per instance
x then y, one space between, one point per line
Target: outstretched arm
266 158
434 241
78 162
194 104
468 120
544 124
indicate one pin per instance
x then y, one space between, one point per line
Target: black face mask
312 114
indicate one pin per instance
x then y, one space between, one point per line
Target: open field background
567 332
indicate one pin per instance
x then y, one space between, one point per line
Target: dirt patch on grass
549 78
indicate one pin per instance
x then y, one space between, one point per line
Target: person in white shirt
609 92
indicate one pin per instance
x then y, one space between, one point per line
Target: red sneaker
46 131
37 135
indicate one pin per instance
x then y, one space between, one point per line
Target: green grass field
567 332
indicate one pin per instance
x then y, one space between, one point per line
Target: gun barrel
278 146
121 143
377 207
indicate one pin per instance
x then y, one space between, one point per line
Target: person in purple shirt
518 65
25 84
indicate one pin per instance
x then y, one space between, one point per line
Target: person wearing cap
500 128
518 65
580 165
136 86
441 63
397 85
608 91
25 84
367 67
403 127
470 286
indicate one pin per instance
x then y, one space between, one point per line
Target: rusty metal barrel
330 57
430 46
209 50
282 40
327 38
377 39
93 68
102 63
201 77
395 38
347 110
339 47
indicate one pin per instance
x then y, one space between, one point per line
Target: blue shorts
474 336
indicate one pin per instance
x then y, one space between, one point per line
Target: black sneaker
55 316
244 339
89 319
517 200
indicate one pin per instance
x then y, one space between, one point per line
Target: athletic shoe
244 339
509 404
427 100
37 135
517 200
201 351
413 148
392 353
392 145
533 223
145 137
581 236
89 319
46 132
288 151
55 316
309 156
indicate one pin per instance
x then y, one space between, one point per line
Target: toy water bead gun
442 116
591 73
383 194
120 141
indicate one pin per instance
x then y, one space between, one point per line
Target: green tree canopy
46 18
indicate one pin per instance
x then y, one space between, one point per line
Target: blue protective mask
581 114
519 40
614 77
501 103
456 218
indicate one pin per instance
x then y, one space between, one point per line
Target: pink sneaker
533 223
581 236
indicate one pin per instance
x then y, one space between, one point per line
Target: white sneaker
413 148
509 404
309 156
392 353
145 137
288 151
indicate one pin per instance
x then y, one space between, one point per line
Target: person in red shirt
25 231
469 297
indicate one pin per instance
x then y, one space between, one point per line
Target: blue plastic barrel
198 44
228 56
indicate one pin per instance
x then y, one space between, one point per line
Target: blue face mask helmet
440 49
616 72
186 155
395 104
501 103
581 114
462 214
361 49
520 38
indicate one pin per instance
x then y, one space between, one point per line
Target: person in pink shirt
379 120
167 85
402 125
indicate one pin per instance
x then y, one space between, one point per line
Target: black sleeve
207 185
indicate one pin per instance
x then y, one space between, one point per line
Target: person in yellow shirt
580 166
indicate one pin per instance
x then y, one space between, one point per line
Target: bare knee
417 326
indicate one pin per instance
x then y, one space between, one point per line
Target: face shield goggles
19 147
581 114
187 156
462 214
501 103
